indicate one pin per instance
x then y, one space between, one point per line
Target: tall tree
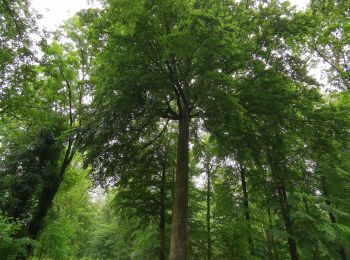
155 66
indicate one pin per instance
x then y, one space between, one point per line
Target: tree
39 129
164 82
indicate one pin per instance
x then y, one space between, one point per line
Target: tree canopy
172 129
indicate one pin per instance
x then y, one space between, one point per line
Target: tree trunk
284 207
178 243
282 197
306 205
47 196
162 216
44 205
208 216
271 237
332 217
246 210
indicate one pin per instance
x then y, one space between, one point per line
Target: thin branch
71 120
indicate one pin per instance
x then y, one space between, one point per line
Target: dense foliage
172 129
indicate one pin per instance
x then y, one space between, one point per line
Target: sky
56 11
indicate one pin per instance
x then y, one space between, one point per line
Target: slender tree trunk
162 215
282 197
246 210
208 216
284 207
332 217
178 243
271 237
306 205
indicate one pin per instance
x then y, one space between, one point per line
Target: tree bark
178 243
282 197
246 210
271 238
45 202
209 251
162 215
47 196
284 206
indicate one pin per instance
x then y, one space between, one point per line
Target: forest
176 129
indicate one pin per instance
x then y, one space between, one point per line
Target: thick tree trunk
246 210
208 216
47 196
45 203
162 216
178 243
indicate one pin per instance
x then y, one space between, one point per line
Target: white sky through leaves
56 11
